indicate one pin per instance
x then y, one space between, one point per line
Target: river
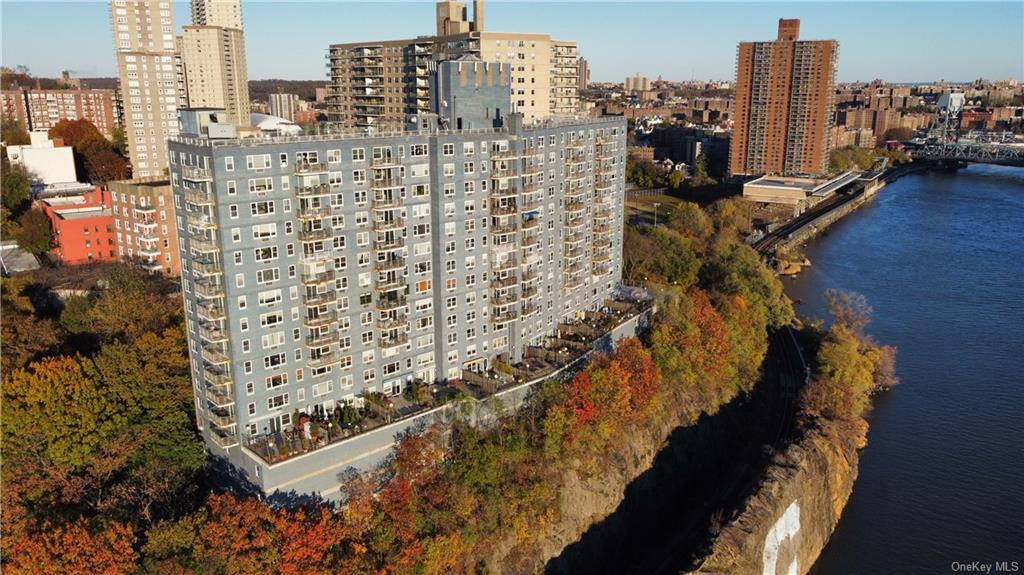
940 257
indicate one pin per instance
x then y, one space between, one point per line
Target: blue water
940 257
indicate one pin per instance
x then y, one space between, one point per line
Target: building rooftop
336 135
83 213
808 185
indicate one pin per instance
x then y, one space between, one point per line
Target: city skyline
710 31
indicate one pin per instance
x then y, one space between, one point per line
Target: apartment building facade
215 70
144 41
785 103
144 223
83 227
283 105
317 269
40 110
377 84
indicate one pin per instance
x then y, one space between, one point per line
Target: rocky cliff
784 525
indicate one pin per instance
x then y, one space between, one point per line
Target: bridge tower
947 129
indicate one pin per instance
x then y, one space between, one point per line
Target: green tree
899 134
119 139
34 232
12 131
677 262
15 194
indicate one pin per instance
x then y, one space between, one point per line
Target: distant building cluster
376 84
41 109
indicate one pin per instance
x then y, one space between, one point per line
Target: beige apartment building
225 13
376 84
215 70
144 41
144 223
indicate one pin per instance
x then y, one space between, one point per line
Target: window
277 402
272 319
268 276
265 208
418 150
229 164
333 157
258 162
261 185
275 361
264 231
448 150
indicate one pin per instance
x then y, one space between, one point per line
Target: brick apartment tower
785 102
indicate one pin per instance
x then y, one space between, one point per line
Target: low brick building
83 227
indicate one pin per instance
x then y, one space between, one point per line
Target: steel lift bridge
944 144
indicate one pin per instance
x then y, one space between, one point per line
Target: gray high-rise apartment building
319 268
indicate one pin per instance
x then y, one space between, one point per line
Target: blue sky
896 41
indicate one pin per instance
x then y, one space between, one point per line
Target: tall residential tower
785 102
213 52
145 44
319 269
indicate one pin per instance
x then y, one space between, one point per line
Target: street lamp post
656 204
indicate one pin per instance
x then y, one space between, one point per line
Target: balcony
504 282
530 292
503 249
196 174
602 257
216 376
505 265
222 420
504 318
393 341
212 334
218 397
323 360
310 168
311 191
528 277
199 197
222 439
210 311
386 201
390 284
322 339
503 229
389 244
530 223
530 310
202 222
530 241
318 277
508 192
206 267
313 235
320 319
505 300
601 242
389 264
390 303
388 224
387 181
149 252
392 322
310 213
384 162
215 356
602 269
321 298
209 288
508 210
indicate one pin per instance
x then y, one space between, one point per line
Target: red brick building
83 227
